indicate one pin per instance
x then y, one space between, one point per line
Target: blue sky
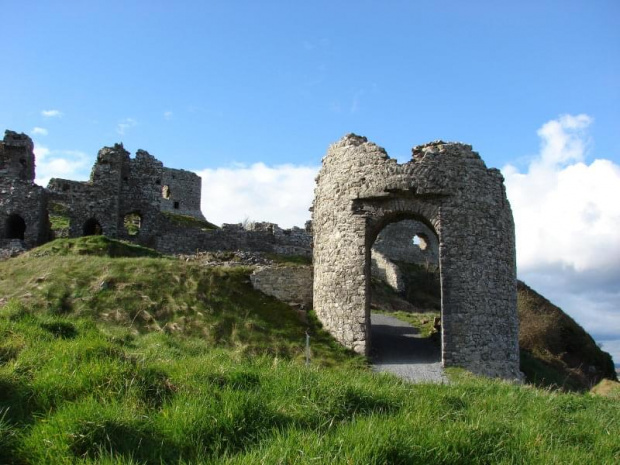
250 94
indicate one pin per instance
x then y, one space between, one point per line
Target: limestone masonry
443 207
23 204
135 199
125 197
446 186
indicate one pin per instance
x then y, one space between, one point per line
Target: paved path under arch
397 348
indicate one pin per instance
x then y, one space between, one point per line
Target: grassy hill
147 359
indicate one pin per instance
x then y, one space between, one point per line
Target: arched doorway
15 227
405 300
360 190
92 228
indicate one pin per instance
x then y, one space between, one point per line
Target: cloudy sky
250 94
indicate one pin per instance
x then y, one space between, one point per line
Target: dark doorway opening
15 227
405 295
92 228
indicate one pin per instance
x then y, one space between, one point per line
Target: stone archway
92 227
448 187
15 227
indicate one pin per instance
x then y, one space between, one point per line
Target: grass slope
86 377
119 284
555 349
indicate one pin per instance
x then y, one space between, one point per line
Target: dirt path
397 348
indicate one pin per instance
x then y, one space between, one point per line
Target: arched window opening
92 228
177 205
15 227
133 223
165 191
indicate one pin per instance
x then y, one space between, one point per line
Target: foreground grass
153 360
72 391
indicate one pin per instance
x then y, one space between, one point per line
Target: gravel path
397 348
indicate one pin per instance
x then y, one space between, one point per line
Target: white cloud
51 113
567 219
39 131
280 194
566 212
125 124
167 115
66 164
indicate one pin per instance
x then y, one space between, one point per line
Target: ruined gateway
454 205
447 187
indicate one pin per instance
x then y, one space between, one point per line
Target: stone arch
360 190
15 227
92 227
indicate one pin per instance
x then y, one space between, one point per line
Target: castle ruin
125 197
443 207
23 204
447 187
136 199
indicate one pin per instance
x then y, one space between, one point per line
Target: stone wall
125 197
290 284
135 199
447 187
181 192
384 269
23 204
408 241
258 237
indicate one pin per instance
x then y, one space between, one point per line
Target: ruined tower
23 204
447 187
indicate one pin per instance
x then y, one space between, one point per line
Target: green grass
74 391
189 221
422 285
215 305
171 362
59 219
100 246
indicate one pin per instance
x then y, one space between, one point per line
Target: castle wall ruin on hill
124 197
446 186
136 199
23 204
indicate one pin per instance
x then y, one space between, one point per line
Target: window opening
132 223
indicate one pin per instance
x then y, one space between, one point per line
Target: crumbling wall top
17 156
